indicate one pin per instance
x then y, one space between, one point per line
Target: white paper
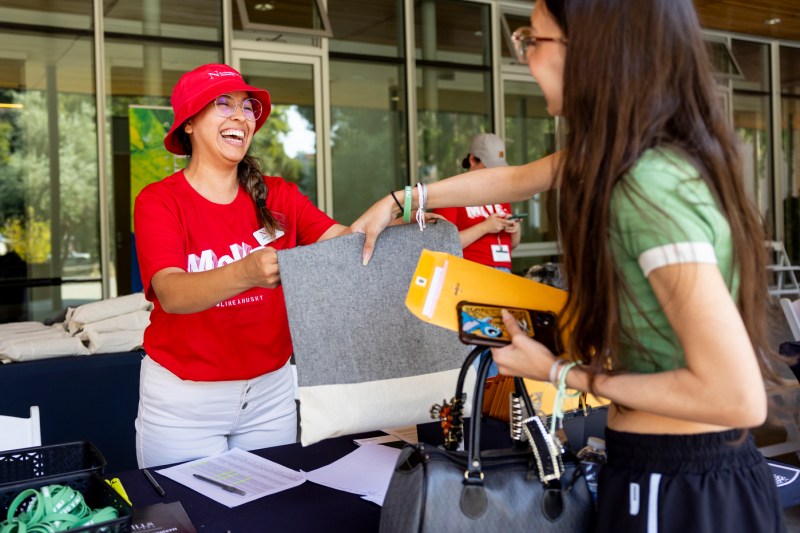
434 291
366 471
406 433
257 476
381 439
376 498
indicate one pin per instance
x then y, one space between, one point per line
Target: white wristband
554 371
422 193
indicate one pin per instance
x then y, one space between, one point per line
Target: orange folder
441 280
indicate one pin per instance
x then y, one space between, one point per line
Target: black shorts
709 482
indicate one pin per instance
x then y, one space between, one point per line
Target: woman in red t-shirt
217 373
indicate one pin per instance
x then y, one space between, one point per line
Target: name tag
501 253
263 237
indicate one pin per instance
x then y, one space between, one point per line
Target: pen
153 482
223 486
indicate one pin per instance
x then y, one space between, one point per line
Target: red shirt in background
479 251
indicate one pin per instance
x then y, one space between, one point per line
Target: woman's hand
260 268
512 226
377 218
372 223
524 357
496 223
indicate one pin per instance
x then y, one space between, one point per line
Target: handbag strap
451 415
545 450
473 474
462 375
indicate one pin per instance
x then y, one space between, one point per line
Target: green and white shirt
662 214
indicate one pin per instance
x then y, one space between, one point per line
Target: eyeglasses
524 40
227 105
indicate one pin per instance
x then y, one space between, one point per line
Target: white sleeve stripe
676 253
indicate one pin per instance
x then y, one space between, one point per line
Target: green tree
25 180
364 158
30 238
268 148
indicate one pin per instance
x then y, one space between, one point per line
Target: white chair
18 432
783 275
791 309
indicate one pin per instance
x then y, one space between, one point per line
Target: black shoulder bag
530 487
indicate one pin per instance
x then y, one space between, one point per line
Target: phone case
483 325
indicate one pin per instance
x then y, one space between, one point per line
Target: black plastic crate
49 461
96 493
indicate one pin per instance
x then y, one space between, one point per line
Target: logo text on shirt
485 211
208 260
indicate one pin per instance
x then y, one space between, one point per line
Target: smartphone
482 324
517 216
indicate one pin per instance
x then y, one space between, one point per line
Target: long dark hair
248 173
641 79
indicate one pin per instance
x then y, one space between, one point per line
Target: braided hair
249 175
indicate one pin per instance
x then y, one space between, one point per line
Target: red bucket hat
197 88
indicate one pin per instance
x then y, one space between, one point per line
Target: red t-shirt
479 251
242 337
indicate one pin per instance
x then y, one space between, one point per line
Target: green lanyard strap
56 508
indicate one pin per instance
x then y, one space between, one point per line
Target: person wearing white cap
486 149
487 233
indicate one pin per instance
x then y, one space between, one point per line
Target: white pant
183 420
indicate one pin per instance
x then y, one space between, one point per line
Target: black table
307 507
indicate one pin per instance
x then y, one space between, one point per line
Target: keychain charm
450 416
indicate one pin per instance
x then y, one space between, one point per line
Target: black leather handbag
528 487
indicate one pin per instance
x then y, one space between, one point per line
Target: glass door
289 144
530 134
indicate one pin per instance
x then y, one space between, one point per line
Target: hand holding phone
482 325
